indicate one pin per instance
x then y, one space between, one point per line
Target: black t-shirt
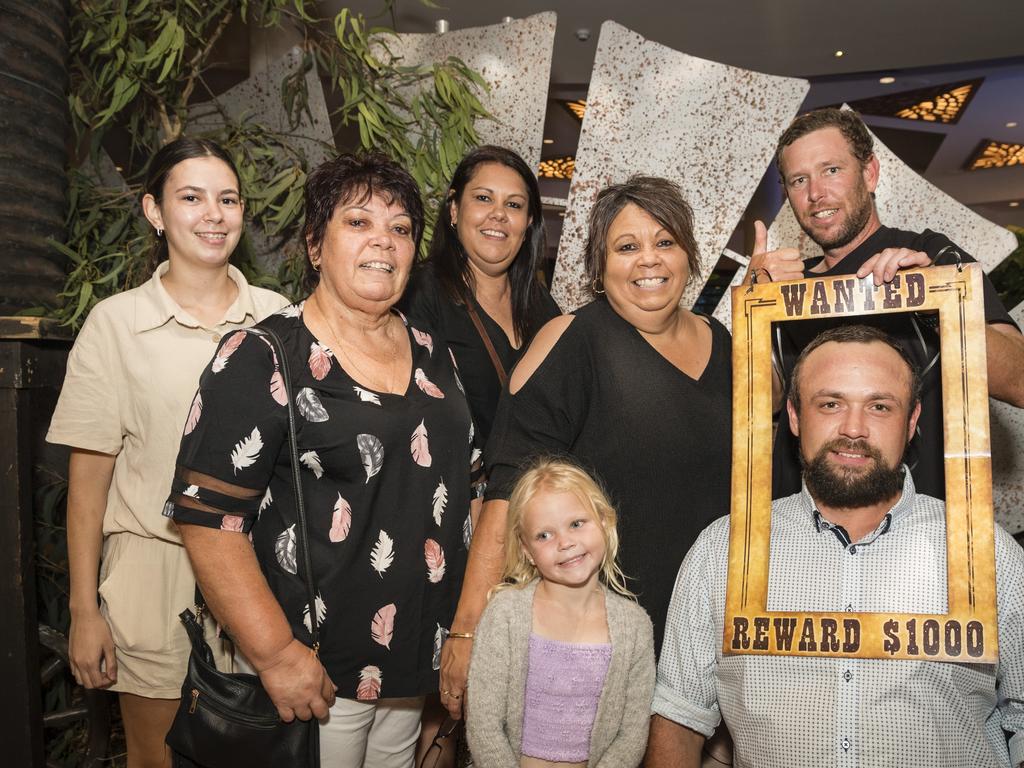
386 485
424 299
916 334
659 441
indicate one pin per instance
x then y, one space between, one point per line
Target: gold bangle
461 635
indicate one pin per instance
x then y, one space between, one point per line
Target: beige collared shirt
130 381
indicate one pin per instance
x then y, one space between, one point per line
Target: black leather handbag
228 720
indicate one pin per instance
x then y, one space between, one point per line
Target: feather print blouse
386 481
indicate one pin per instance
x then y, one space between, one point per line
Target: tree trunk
33 150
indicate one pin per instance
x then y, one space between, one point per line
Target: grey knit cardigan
497 683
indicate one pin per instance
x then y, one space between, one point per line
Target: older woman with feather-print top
385 442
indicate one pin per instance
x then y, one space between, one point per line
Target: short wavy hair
559 475
660 198
355 178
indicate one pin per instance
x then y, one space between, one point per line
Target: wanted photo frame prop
968 631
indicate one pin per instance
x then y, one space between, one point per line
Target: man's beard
855 223
845 489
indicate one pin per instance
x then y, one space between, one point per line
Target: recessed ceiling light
549 141
1015 204
1012 124
887 80
839 54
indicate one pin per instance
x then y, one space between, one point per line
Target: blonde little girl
562 672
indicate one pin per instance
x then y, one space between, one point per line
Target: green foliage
137 65
1008 277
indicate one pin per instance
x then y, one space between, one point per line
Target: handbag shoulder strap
491 351
300 507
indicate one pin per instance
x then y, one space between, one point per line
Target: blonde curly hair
557 475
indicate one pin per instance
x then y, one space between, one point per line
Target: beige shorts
144 585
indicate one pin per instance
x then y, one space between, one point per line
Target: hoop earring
315 265
159 232
593 286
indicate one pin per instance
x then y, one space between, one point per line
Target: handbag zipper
261 722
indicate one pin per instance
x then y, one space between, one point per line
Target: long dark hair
450 263
161 165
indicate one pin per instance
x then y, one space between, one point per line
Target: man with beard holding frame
857 538
829 171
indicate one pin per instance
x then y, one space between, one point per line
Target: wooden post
32 357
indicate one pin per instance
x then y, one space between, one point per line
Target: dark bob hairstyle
660 198
164 161
355 179
450 262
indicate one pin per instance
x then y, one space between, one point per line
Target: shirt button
853 549
215 337
849 608
847 675
845 744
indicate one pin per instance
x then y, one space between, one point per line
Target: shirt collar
903 507
157 306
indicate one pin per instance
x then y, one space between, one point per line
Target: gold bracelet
461 635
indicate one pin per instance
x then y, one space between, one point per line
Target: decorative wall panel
514 59
259 99
1007 435
709 127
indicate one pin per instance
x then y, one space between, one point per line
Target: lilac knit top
563 685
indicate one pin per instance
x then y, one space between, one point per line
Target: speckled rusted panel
1007 429
514 59
723 312
710 127
259 99
905 200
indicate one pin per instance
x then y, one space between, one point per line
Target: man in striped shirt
857 538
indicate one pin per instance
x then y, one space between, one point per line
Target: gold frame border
956 293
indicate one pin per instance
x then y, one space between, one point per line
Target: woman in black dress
480 284
384 441
632 386
479 287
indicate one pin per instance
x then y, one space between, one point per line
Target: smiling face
562 537
646 269
491 217
366 254
854 422
200 211
829 189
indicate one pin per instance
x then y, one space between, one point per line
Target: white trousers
361 734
